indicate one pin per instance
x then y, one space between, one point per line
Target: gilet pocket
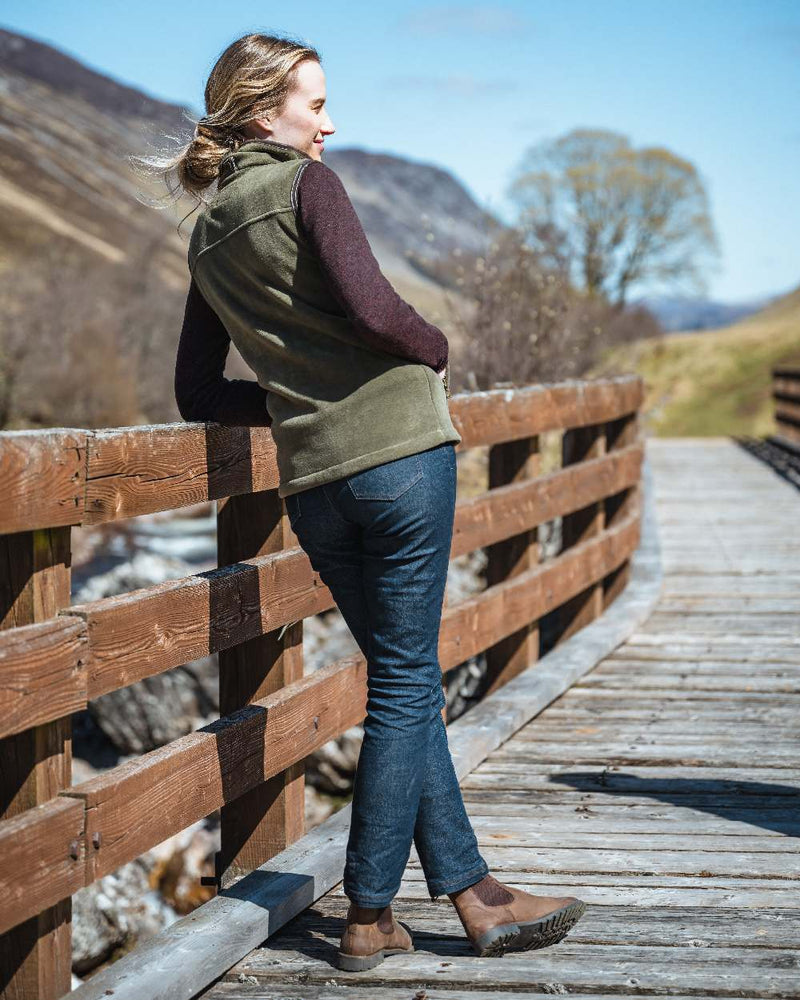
387 481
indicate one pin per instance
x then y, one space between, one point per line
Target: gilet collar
256 152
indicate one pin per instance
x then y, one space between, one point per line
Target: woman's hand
444 376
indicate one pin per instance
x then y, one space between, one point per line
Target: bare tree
89 342
519 317
626 216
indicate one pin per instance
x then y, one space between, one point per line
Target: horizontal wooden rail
71 477
143 633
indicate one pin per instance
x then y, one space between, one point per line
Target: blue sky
471 87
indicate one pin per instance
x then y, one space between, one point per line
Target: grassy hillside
714 381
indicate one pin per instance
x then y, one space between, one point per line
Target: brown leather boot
497 917
369 935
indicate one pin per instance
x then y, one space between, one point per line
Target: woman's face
303 122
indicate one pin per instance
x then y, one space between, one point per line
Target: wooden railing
786 393
55 658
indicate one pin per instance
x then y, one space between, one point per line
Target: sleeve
201 391
382 317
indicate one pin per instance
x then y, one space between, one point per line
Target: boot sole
530 935
359 963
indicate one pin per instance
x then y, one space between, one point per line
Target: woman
353 382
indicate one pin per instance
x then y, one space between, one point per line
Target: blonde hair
251 79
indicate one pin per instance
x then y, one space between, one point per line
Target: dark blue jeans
380 541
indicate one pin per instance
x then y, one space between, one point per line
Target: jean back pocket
387 481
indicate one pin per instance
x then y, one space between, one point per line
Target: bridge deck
662 788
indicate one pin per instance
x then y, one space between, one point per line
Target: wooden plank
65 476
42 478
765 927
36 765
143 801
732 817
750 972
42 673
523 831
266 819
667 728
246 990
196 949
673 780
496 415
767 698
521 505
745 666
652 755
513 461
641 892
156 628
577 446
693 682
52 834
141 470
642 862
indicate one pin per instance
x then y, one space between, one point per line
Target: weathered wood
765 927
246 990
512 462
42 673
35 956
577 446
143 801
51 833
692 779
41 479
493 416
270 815
142 470
641 969
196 949
78 476
148 631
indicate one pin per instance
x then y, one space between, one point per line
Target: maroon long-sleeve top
381 316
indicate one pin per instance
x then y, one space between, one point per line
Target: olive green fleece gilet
337 405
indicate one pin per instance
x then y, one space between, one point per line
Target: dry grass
716 381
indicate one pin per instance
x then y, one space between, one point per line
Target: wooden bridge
636 745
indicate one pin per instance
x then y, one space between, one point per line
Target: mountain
92 275
66 131
682 312
409 208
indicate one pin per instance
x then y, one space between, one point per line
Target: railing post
786 393
510 462
619 434
36 956
265 820
577 445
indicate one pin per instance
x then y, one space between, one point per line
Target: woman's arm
334 231
201 390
